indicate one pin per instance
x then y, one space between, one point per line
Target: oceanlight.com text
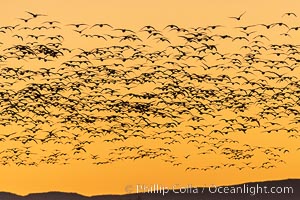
211 189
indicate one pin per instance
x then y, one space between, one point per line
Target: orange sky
88 179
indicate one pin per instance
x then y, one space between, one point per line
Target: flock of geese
199 98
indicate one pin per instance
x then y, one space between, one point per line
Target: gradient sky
84 178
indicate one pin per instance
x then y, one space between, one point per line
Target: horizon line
154 192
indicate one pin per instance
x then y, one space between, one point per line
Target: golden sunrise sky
88 179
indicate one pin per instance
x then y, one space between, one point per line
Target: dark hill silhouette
294 183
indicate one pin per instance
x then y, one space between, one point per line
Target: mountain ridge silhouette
55 195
